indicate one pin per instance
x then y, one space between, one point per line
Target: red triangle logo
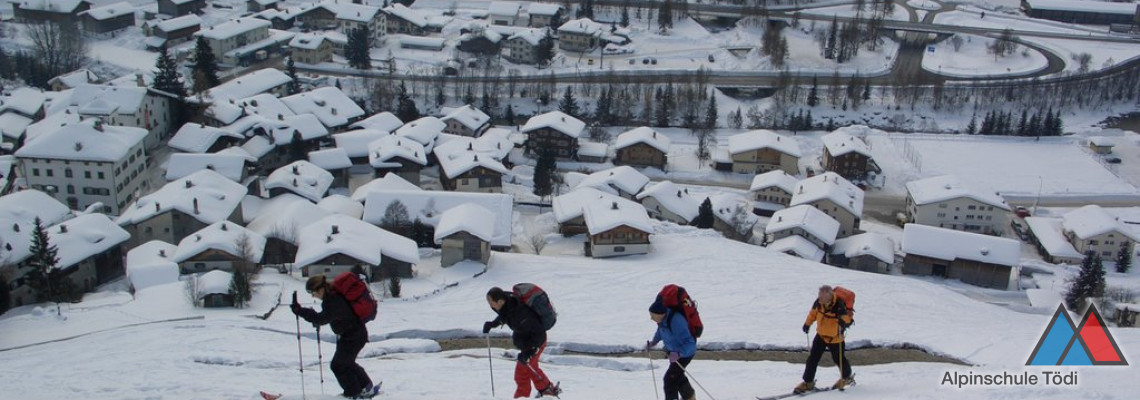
1100 344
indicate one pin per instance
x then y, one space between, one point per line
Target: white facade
945 202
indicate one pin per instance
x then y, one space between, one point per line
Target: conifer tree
568 104
205 70
1124 257
1088 283
705 217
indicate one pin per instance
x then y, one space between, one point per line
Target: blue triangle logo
1056 341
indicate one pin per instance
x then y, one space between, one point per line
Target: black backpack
536 298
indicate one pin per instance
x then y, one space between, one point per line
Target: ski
375 391
268 396
793 394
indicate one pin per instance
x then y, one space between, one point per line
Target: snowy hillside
106 347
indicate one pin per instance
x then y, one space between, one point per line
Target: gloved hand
295 298
649 344
674 356
525 355
488 326
295 308
807 328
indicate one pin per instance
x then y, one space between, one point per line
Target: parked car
711 58
612 49
1112 160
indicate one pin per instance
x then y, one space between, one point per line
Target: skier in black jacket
351 333
529 337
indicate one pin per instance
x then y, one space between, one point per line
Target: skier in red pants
529 337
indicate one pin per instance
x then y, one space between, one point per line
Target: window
943 205
87 174
619 249
49 172
1093 243
67 173
971 208
35 172
70 189
941 215
1106 254
101 175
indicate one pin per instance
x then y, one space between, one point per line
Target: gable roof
106 99
249 85
84 236
232 28
88 140
353 238
428 206
570 205
644 135
725 206
424 130
457 162
532 36
494 143
621 178
205 195
384 121
26 101
150 264
545 9
504 8
415 17
808 218
222 236
356 143
555 120
18 212
468 116
948 244
676 200
842 142
109 11
470 218
330 159
182 22
329 104
343 205
284 216
948 187
798 246
1092 220
763 139
1049 233
877 245
382 151
198 138
389 182
775 178
182 164
301 177
604 215
829 186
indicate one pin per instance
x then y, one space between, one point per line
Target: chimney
8 246
780 219
294 182
62 228
139 80
985 251
655 134
678 194
98 124
195 205
162 253
16 227
280 117
470 146
296 171
335 229
614 206
189 184
224 227
334 111
328 239
197 238
156 207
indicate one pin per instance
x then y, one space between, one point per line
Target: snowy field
750 298
975 60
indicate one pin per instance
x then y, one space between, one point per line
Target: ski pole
649 353
320 360
300 357
490 365
694 380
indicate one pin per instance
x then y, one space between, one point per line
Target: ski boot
552 390
843 383
368 393
804 387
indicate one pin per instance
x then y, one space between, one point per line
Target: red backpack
676 298
848 298
356 292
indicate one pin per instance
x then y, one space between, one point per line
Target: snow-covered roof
556 120
330 159
283 217
18 212
602 216
470 218
877 245
382 152
182 22
424 130
798 246
257 146
726 206
428 206
340 234
583 26
205 195
86 235
282 130
387 183
415 17
307 41
1049 233
805 217
645 135
343 205
592 149
546 9
222 236
110 11
829 186
676 200
248 85
53 122
75 78
948 187
105 99
763 139
1128 307
133 79
1102 141
198 138
6 164
355 143
214 282
88 140
329 104
504 8
533 36
352 12
384 121
25 100
495 143
457 162
303 178
569 206
421 41
13 125
621 178
238 151
232 28
948 244
1127 8
842 142
54 6
468 116
775 178
150 264
1092 220
183 164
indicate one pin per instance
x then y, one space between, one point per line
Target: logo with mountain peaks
1064 343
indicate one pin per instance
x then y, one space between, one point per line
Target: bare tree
1083 59
244 269
193 290
538 242
58 46
957 42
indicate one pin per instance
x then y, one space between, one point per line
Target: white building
760 151
835 196
1092 229
466 121
182 207
429 206
773 190
227 36
870 252
87 163
946 202
668 202
616 228
123 106
504 13
805 221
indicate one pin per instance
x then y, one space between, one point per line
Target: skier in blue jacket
673 329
